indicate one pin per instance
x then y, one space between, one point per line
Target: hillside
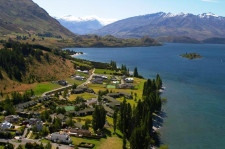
160 24
24 16
23 65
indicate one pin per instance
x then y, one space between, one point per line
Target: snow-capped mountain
84 25
202 26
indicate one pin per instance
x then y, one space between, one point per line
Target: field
44 87
84 95
104 71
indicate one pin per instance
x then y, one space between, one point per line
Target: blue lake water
195 89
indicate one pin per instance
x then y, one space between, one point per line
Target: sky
120 9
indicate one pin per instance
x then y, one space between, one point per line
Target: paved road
88 80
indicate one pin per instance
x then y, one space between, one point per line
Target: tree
48 146
20 147
65 93
45 131
74 86
158 82
99 117
1 76
70 122
114 120
124 141
136 72
139 139
8 146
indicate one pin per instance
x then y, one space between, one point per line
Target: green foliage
6 135
158 82
20 147
164 147
8 146
99 117
45 131
139 139
115 119
48 146
34 146
45 116
70 122
13 58
1 76
61 110
136 72
124 141
74 86
56 126
113 65
191 55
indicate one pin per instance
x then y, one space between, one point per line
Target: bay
195 89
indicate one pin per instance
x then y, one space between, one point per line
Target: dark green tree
99 117
115 119
136 72
124 141
1 76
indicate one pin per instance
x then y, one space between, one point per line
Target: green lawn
45 141
111 86
104 71
72 81
41 88
84 95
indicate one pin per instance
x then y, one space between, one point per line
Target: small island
191 55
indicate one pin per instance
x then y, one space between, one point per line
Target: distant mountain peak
103 21
202 26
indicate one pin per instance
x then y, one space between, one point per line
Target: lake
195 89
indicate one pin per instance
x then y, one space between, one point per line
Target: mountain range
84 25
168 25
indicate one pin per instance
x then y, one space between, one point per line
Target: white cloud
103 21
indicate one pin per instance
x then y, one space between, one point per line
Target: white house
129 80
6 125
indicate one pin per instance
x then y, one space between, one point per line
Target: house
61 117
114 95
80 78
97 81
85 112
78 125
100 76
92 101
57 137
125 86
34 121
12 118
86 71
62 82
79 133
77 91
6 125
129 80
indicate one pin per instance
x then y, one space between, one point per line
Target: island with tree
191 55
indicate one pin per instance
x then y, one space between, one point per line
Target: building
79 133
57 137
97 81
6 125
80 78
92 101
129 80
77 91
62 82
125 86
12 118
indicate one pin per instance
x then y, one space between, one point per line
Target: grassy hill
23 66
24 16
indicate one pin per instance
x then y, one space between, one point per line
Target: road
88 80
